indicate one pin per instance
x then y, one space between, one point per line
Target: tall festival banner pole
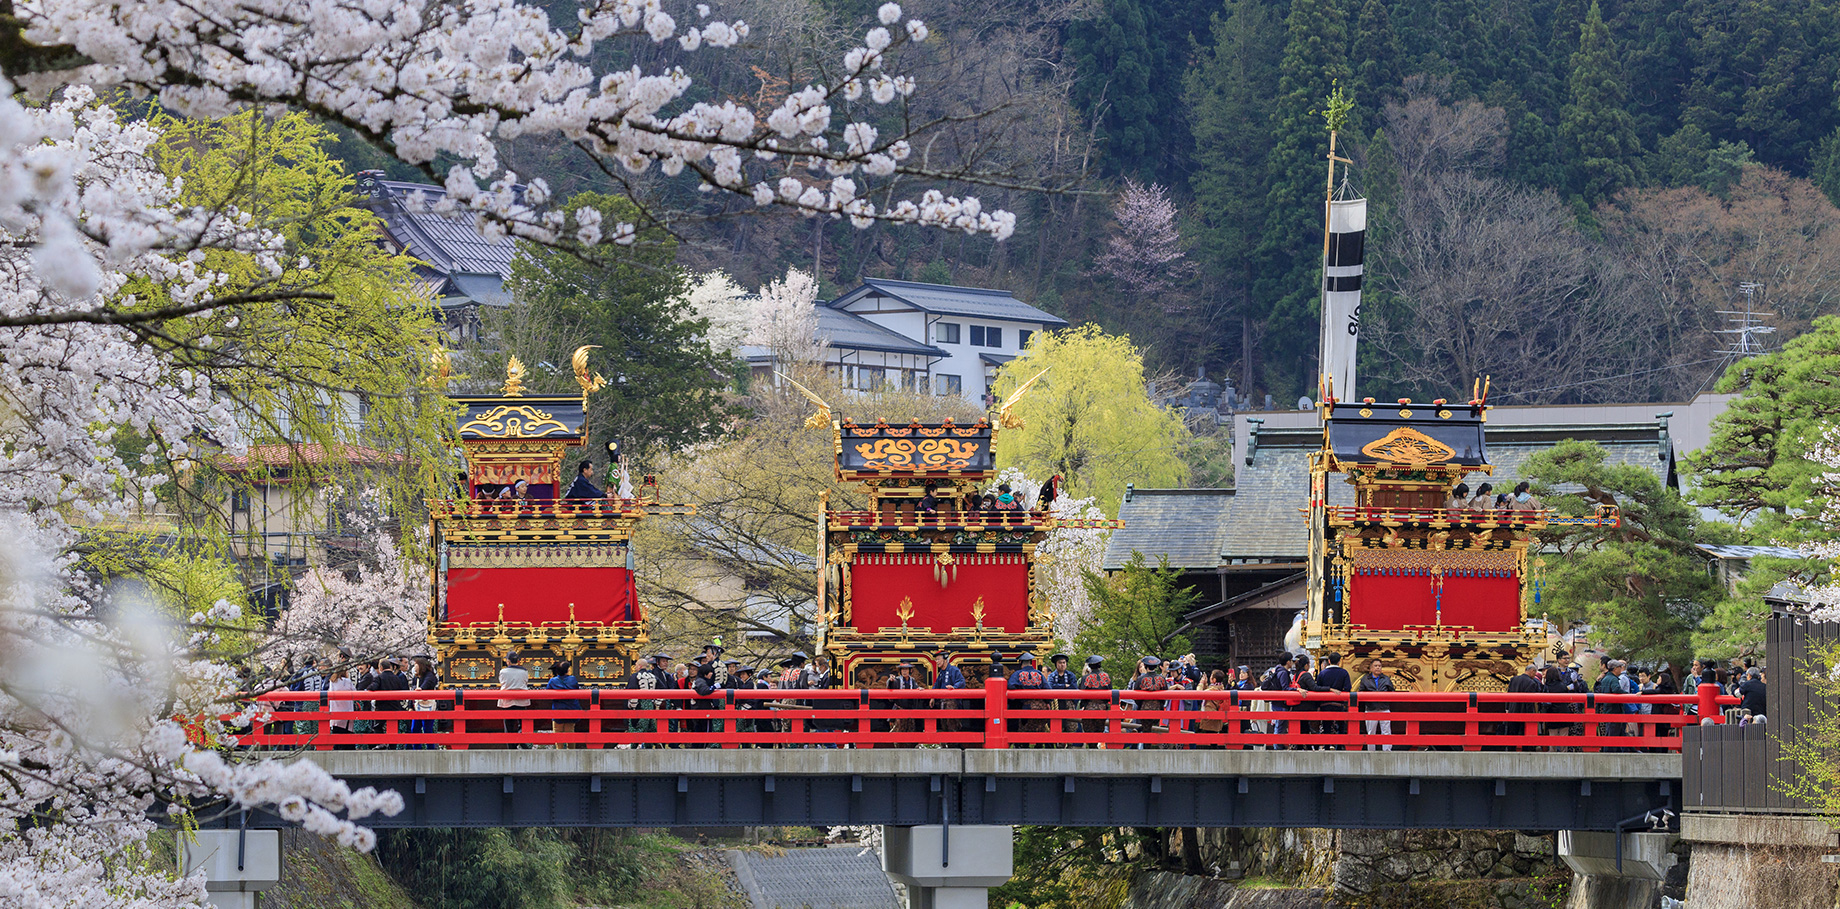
1344 227
1344 232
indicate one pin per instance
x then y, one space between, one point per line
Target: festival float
953 585
1447 598
518 567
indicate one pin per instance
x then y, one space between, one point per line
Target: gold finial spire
823 415
589 383
1004 417
514 378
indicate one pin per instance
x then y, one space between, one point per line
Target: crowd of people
1147 697
1487 499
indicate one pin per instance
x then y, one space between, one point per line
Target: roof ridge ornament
589 383
514 378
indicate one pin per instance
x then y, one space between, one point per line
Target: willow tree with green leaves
1089 419
331 360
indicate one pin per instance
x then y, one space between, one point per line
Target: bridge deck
825 787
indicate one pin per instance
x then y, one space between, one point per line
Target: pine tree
1290 251
1597 131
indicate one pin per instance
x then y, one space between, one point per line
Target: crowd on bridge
1148 699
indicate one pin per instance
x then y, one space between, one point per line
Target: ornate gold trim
1406 445
515 421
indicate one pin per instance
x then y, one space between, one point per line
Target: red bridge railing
993 717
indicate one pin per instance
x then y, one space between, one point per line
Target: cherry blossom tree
1145 253
377 606
107 279
785 320
715 297
96 414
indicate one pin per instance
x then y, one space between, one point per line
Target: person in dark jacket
1279 678
1063 679
392 679
1095 679
1028 678
1529 681
1334 678
950 678
583 487
1376 681
562 678
1752 691
1306 680
1611 683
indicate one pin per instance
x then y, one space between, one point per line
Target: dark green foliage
477 869
1136 613
1376 54
1643 585
1598 132
1287 284
543 869
1757 468
664 383
1128 60
1824 165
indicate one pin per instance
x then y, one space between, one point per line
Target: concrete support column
1599 883
949 868
237 864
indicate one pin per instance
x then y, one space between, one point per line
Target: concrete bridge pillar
949 867
1599 883
237 864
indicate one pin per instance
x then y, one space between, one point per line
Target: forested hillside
1564 192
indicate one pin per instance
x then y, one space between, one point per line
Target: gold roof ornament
1004 418
589 384
816 420
514 378
1406 445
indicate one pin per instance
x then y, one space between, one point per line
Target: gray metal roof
1184 524
1267 519
449 244
485 288
991 359
839 876
947 300
852 332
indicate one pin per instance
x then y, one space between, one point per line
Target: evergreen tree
1136 613
664 384
1287 282
1642 585
1227 92
1764 74
1598 132
1376 54
1126 63
1824 165
1758 469
1114 60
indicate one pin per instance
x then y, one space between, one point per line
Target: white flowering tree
1065 555
785 321
715 297
117 292
376 605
